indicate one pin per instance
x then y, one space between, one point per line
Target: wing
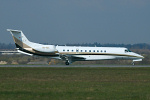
75 58
72 58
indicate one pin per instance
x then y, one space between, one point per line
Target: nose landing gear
133 63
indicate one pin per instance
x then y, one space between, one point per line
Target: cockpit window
127 50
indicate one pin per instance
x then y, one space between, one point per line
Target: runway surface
74 66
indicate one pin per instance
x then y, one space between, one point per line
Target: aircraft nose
140 56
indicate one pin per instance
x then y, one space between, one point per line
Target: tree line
4 46
130 46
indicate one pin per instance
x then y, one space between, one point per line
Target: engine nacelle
45 48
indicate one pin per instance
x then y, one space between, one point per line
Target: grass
20 83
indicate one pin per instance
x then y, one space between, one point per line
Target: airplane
70 54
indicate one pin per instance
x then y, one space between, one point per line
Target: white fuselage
97 53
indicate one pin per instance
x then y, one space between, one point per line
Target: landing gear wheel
67 63
133 63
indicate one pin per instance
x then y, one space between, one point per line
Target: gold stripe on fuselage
20 43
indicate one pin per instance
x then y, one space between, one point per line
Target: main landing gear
67 62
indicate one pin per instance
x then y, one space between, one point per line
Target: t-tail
23 45
19 38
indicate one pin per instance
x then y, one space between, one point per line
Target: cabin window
77 50
63 49
105 51
89 50
72 50
68 50
97 50
85 50
101 50
93 50
81 50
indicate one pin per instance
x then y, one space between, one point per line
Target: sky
77 21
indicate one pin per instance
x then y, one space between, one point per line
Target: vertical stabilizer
19 38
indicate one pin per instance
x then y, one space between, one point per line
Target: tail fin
19 38
24 46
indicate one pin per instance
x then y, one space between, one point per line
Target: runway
74 66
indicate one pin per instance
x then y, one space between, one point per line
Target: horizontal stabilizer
11 30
